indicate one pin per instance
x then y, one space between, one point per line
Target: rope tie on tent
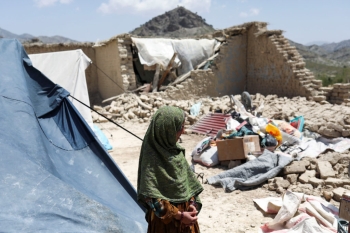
106 118
201 175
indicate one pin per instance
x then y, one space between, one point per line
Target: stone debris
330 179
325 176
325 119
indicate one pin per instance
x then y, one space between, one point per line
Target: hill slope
178 22
28 38
329 62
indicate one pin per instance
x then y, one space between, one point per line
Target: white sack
201 146
208 158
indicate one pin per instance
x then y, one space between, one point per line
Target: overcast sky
303 21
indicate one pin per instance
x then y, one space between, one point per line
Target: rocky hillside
28 38
178 22
337 54
329 62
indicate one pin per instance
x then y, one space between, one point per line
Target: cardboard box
237 148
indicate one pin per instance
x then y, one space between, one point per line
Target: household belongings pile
272 143
67 69
299 213
55 174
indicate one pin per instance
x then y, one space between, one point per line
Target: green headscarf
164 172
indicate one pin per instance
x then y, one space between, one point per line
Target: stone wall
126 62
202 83
90 72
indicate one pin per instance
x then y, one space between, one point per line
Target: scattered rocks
327 119
322 176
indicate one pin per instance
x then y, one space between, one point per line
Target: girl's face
178 134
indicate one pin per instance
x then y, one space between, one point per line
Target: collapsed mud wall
251 58
230 66
126 62
202 83
108 63
90 72
275 67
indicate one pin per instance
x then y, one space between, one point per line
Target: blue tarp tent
55 176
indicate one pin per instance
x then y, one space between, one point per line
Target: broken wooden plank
111 98
147 89
167 70
156 78
188 74
181 78
204 62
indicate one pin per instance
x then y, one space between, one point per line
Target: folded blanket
251 173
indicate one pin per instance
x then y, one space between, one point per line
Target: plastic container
275 132
343 226
298 123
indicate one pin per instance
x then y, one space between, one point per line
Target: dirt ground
221 212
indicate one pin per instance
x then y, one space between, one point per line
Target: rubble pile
325 176
324 118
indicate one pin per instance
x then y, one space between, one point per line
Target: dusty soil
222 212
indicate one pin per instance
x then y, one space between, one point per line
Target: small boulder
282 183
304 178
327 195
292 178
334 182
338 193
295 167
316 182
324 168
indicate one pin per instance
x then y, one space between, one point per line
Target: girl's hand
192 208
189 218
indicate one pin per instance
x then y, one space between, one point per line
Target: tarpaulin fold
55 176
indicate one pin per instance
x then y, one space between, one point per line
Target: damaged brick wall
126 62
108 62
200 84
275 67
251 58
230 66
113 58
